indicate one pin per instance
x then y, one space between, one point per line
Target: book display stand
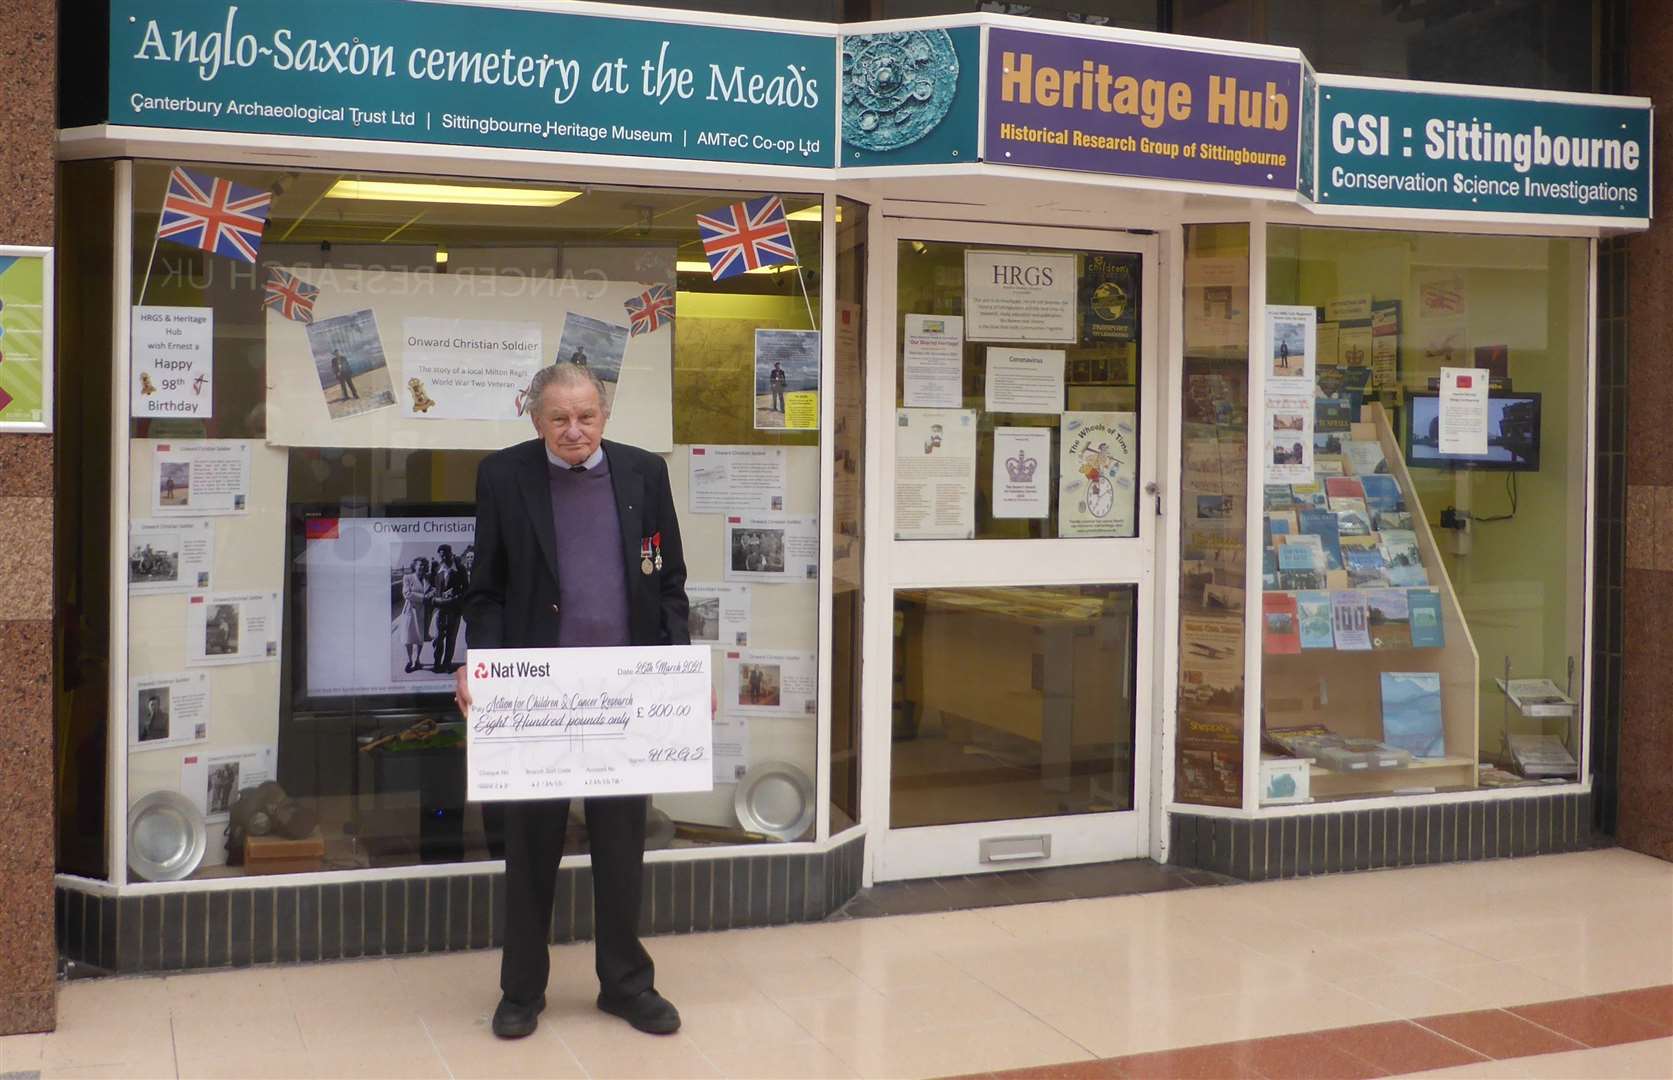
1343 689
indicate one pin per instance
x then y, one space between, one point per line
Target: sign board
1095 104
568 723
1394 147
475 75
25 339
911 97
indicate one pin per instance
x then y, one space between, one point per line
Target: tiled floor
1442 967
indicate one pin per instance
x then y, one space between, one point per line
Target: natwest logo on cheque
520 669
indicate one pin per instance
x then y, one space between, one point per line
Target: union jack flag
649 310
290 296
746 236
213 214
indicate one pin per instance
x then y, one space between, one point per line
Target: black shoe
513 1021
649 1012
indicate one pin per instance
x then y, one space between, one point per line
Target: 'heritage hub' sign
478 76
1404 148
1097 105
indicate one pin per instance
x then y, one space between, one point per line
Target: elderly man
576 545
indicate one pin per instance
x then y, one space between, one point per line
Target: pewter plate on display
775 798
167 836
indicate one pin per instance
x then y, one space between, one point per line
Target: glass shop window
1424 501
310 402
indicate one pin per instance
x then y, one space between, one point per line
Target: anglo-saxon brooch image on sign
896 87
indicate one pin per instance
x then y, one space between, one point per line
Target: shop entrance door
1010 649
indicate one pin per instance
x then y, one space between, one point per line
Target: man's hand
462 691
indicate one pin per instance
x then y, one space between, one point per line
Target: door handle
1154 490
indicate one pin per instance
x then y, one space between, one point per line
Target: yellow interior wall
1520 587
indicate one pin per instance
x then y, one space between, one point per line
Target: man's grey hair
566 374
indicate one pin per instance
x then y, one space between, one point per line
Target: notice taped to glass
564 723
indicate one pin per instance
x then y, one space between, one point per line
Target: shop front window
1425 512
303 454
1214 469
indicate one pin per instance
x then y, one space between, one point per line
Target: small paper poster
1025 380
1097 489
935 474
212 779
1292 341
932 361
1020 296
1463 411
232 628
200 476
772 548
171 555
468 369
720 614
731 747
730 479
168 710
786 380
173 362
771 684
1021 472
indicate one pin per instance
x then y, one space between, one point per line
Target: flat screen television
351 578
1512 434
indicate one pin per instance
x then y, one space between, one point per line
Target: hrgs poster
433 361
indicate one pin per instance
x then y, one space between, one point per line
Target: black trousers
534 833
447 635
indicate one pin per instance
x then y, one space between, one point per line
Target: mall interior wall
28 956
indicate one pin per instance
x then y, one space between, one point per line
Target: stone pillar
28 949
1645 776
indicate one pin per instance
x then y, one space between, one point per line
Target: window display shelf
1342 690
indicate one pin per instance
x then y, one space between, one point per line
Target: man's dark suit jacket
513 598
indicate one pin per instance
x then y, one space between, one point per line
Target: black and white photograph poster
212 779
772 548
350 363
593 343
786 380
720 614
170 555
232 628
168 710
761 683
198 477
382 607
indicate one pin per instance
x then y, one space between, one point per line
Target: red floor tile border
1396 1047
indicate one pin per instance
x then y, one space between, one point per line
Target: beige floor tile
147 1069
1411 995
247 1066
890 970
1417 952
212 1034
1025 1041
21 1053
632 1056
757 1021
1116 1027
780 1061
865 1015
1651 1060
331 1029
479 1055
809 977
928 1052
1500 985
123 1037
352 1064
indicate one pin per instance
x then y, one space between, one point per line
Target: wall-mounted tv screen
1512 434
381 599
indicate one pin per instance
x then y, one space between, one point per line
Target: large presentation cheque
564 723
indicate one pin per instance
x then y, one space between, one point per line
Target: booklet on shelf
1313 613
1278 614
1537 697
1425 607
1541 756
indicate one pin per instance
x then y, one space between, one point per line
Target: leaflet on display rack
762 683
170 555
773 549
730 479
563 723
232 628
190 478
1292 346
173 362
